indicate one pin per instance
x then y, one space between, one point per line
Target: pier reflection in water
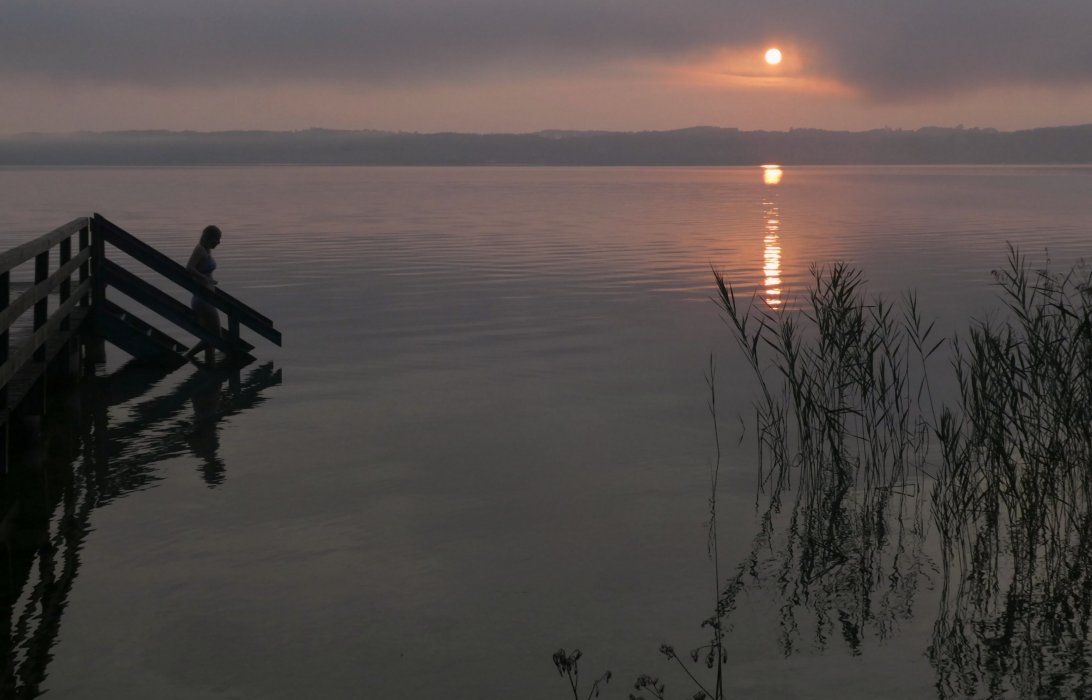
86 459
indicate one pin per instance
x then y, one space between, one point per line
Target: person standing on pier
201 266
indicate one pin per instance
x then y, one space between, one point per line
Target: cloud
156 42
886 49
912 49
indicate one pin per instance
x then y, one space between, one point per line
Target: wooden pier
64 317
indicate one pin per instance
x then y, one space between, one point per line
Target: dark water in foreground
485 437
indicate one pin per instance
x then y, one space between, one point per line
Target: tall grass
713 655
842 385
858 463
1018 449
842 421
1013 498
855 453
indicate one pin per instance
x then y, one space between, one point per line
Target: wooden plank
167 306
41 307
17 380
170 269
134 336
85 268
40 291
25 351
22 253
120 331
66 283
147 329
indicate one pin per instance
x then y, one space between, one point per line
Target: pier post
91 349
95 345
66 285
66 364
85 268
35 402
41 307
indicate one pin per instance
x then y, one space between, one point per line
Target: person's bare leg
208 318
214 328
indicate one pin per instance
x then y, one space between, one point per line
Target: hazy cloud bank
887 49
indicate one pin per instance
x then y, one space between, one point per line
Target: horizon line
957 127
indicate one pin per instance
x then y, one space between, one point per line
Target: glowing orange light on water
771 253
771 174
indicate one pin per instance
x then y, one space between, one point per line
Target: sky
529 65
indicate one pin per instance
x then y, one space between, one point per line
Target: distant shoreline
697 146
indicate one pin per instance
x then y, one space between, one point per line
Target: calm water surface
486 435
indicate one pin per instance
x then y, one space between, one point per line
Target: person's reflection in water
204 438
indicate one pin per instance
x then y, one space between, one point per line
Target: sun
773 56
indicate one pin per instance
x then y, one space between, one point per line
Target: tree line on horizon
692 146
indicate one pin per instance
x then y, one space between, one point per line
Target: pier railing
114 275
79 276
23 365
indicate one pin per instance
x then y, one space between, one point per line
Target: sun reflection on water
771 256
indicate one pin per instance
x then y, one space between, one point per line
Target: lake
486 436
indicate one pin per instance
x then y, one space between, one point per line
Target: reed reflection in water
857 461
91 459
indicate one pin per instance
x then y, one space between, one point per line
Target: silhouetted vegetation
859 463
568 667
843 430
847 424
712 655
1013 495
